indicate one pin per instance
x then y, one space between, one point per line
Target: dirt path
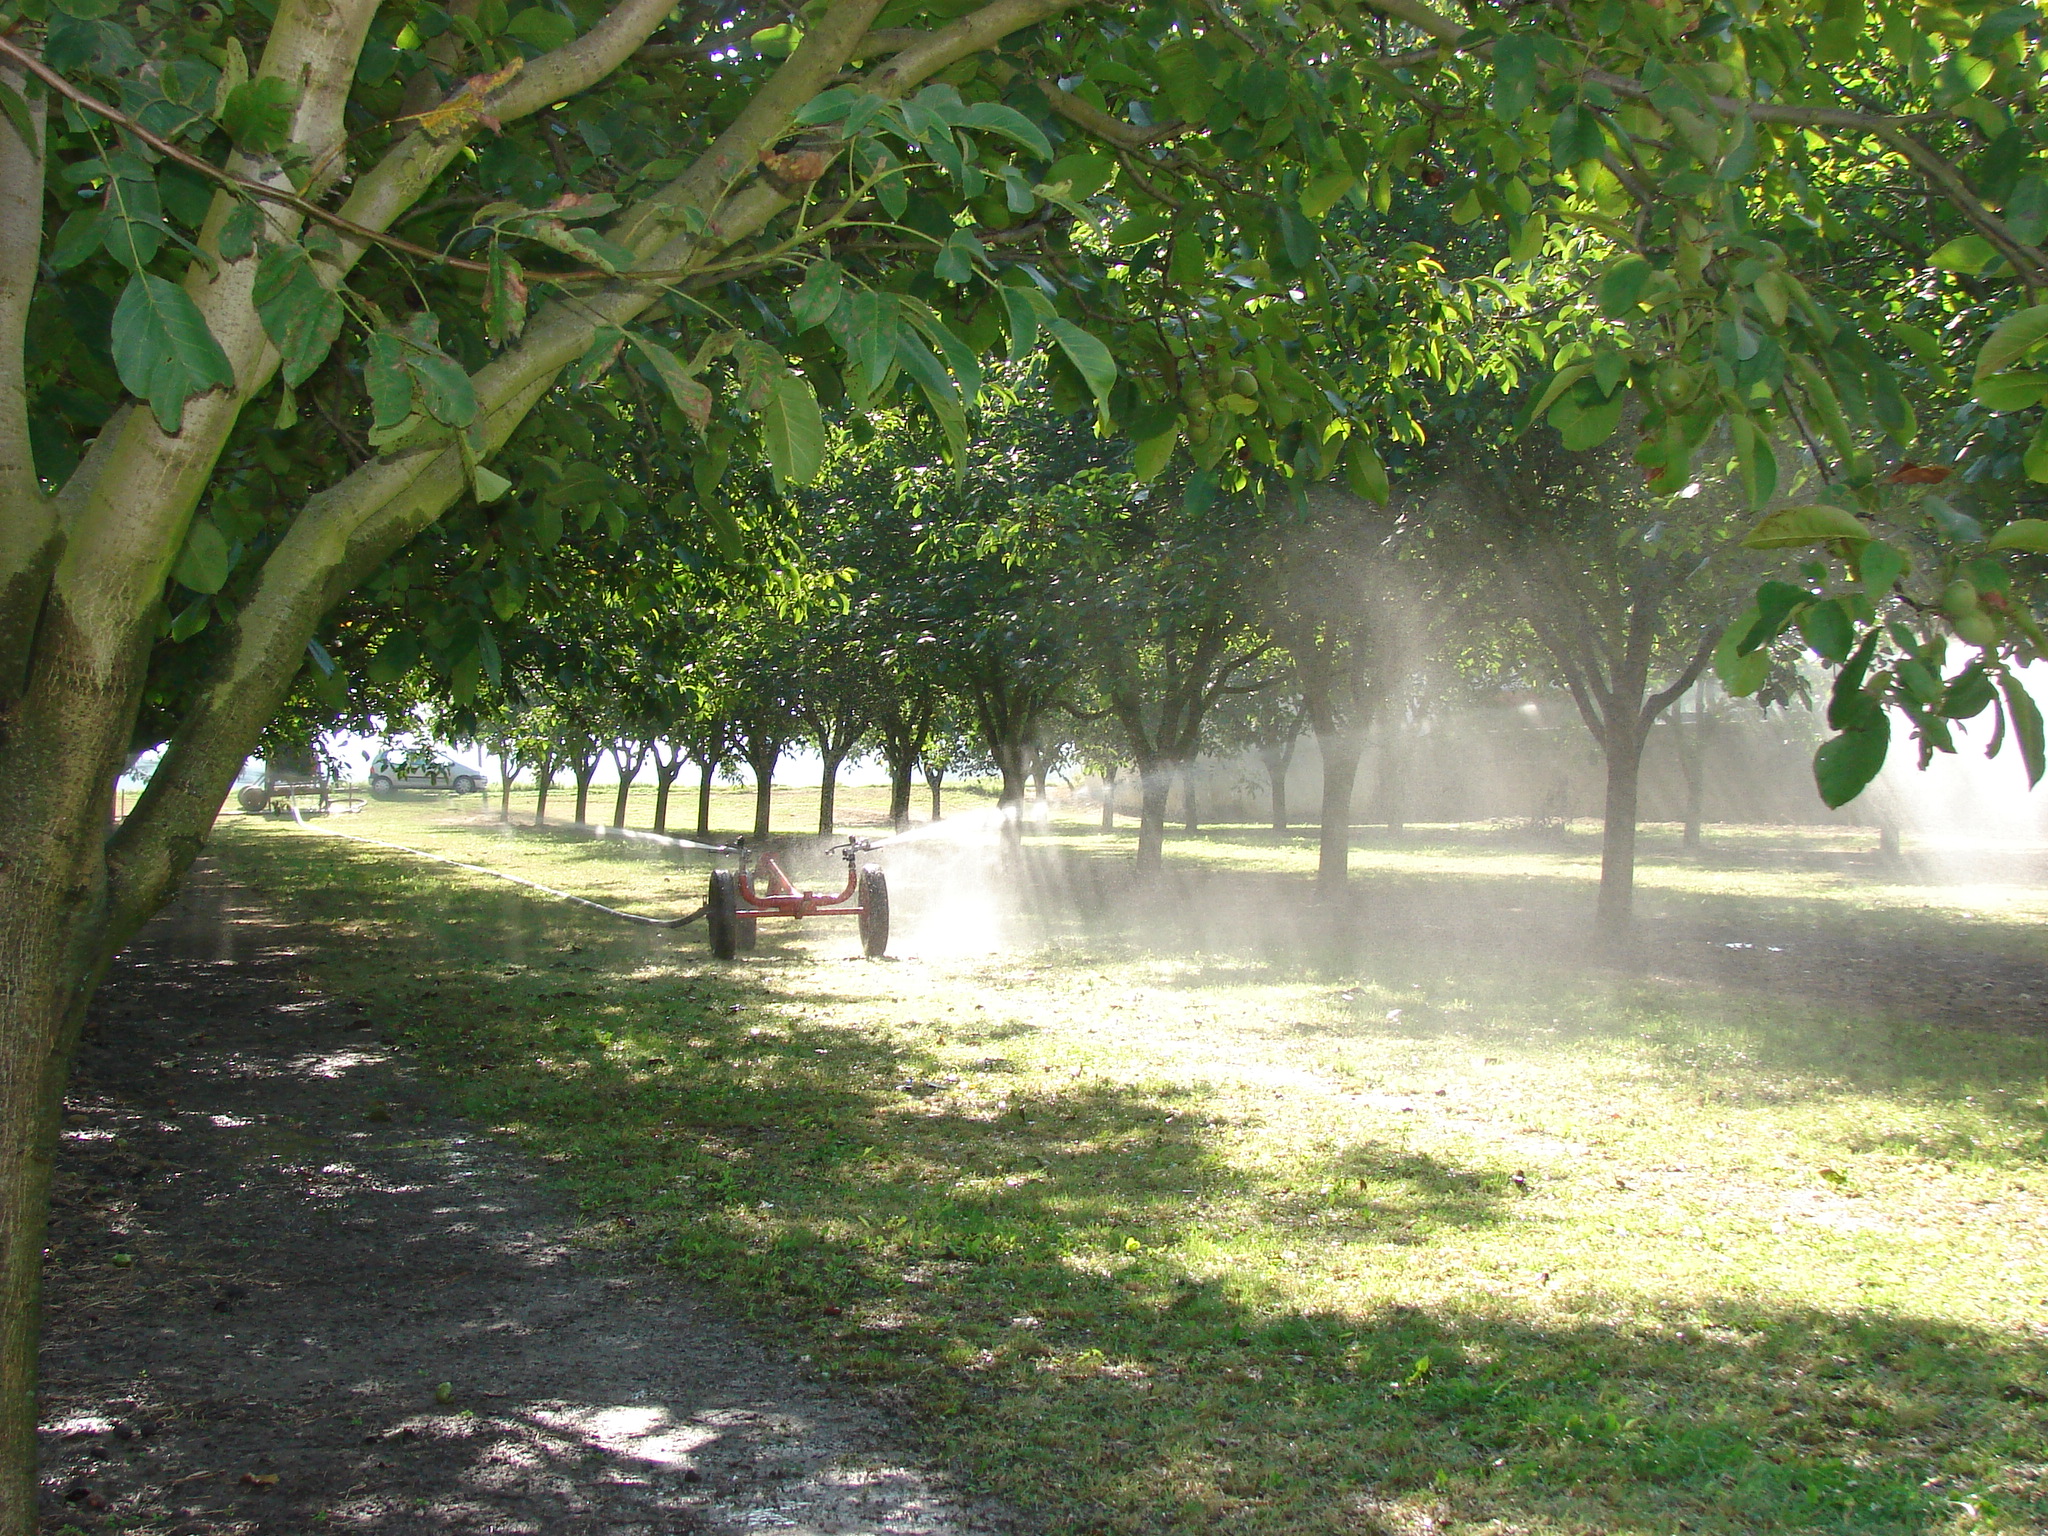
270 1250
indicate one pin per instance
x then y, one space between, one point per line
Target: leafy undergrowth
1158 1241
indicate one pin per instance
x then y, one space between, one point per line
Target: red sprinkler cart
741 897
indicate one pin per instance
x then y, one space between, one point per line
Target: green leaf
18 116
993 117
133 226
1298 237
542 28
606 342
388 381
1584 426
1621 287
822 288
1828 630
1515 60
162 349
1798 527
2025 716
2017 390
239 231
691 395
792 431
1995 28
1923 344
1023 322
1150 456
960 358
2012 339
1089 356
1879 565
504 299
1845 764
2026 533
87 10
1741 674
488 484
1969 693
955 261
1756 460
828 106
192 620
939 390
1364 472
445 393
1957 525
1565 379
203 562
258 114
759 366
1325 192
77 240
1776 601
1967 254
300 315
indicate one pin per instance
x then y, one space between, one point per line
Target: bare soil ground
287 1294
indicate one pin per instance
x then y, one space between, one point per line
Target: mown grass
1314 1235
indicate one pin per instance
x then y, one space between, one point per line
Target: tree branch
1091 119
355 525
28 520
1658 702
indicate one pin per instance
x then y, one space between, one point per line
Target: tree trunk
1009 757
899 794
543 781
1340 755
1038 775
764 792
1109 800
583 778
1188 799
664 778
704 799
934 781
1394 779
1692 762
1277 764
1618 832
504 786
619 805
45 979
828 796
1155 782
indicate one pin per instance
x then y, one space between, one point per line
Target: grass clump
1163 1240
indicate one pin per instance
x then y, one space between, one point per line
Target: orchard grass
1153 1237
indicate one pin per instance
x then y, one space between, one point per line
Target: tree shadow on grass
1076 1290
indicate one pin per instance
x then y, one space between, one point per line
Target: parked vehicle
391 771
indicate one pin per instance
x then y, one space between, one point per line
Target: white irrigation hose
478 869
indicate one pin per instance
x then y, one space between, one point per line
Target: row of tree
1042 597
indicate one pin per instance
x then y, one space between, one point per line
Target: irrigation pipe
499 874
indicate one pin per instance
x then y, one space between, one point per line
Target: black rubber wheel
382 787
719 921
873 892
464 786
253 798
